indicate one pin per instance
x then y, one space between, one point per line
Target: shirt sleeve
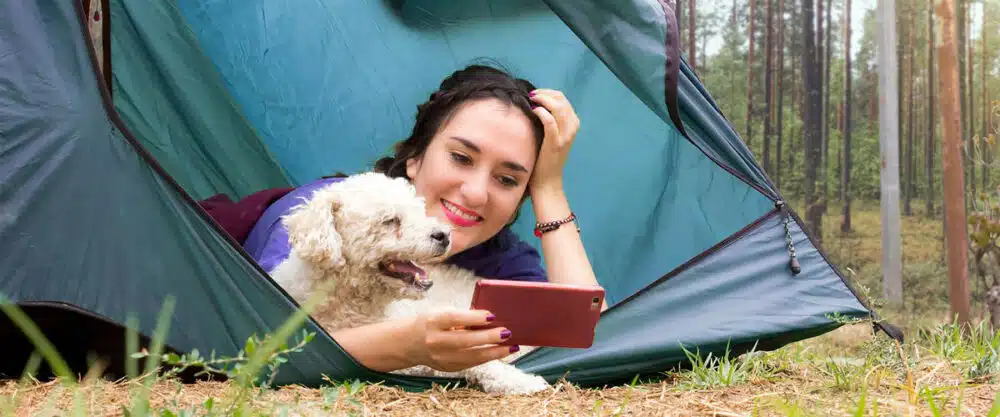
275 248
267 243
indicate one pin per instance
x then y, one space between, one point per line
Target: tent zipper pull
793 262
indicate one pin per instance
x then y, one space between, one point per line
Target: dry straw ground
845 372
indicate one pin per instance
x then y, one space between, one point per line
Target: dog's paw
522 384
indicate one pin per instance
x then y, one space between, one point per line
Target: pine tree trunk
824 111
768 60
971 131
845 175
959 23
750 55
732 75
779 91
900 96
795 50
956 235
677 16
930 142
692 51
811 124
911 13
984 131
826 95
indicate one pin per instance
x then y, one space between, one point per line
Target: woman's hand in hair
561 124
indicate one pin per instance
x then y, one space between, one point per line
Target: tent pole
888 140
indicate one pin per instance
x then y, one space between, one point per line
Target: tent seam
673 61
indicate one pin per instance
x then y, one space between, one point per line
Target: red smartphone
541 314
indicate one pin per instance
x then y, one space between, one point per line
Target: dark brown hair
475 82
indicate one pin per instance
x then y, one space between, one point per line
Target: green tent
102 172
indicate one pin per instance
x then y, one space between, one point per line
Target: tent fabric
171 97
738 294
696 254
648 68
92 221
366 74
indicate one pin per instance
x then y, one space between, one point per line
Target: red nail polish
505 334
514 348
490 318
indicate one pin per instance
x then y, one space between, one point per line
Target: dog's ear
312 231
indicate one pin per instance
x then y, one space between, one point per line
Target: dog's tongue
406 267
411 270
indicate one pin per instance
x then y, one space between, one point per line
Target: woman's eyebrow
472 147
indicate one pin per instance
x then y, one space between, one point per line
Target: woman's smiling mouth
460 216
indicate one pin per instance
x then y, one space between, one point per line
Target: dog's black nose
440 237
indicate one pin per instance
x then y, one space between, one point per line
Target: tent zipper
793 262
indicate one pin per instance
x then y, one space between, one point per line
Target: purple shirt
502 257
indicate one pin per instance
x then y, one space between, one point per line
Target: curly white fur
341 234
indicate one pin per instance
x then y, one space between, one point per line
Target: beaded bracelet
541 228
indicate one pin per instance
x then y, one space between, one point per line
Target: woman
481 145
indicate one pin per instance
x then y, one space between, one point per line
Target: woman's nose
474 189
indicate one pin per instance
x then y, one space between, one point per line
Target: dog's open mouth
407 272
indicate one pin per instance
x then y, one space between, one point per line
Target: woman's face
476 169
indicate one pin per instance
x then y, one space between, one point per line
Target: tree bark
824 111
795 50
779 90
931 138
811 124
768 61
828 51
845 175
903 30
984 131
911 12
750 37
969 108
692 51
956 235
959 29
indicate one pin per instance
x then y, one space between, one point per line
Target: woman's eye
508 182
461 159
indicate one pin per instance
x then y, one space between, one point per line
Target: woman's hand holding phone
450 341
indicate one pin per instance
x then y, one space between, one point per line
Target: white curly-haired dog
362 240
368 241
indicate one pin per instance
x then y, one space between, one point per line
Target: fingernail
490 318
531 94
505 334
534 107
514 348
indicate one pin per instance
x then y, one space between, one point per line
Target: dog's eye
394 221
